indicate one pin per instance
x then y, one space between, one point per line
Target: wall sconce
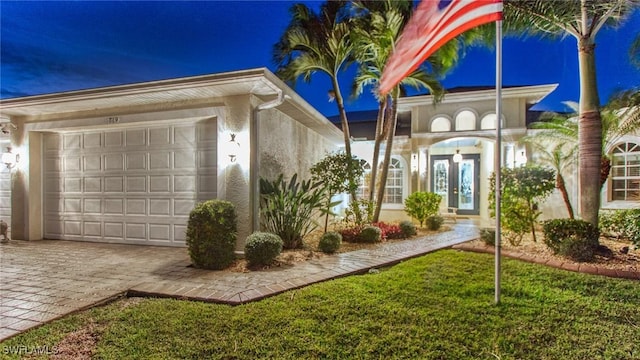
233 147
414 162
10 159
521 158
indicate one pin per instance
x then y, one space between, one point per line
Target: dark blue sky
60 46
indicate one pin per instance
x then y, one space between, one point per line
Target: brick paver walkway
44 280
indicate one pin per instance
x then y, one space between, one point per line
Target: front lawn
439 306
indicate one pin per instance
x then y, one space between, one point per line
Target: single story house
127 164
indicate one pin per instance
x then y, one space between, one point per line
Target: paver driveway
44 280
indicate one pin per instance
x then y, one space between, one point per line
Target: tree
378 25
335 170
522 189
318 42
559 157
581 19
421 205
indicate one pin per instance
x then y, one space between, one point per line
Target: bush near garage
262 248
211 234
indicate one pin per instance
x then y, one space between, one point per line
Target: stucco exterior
127 163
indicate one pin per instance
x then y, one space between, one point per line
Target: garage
133 185
5 185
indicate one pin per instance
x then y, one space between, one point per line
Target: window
488 122
625 172
465 120
395 183
440 124
394 189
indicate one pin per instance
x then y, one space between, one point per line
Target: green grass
439 306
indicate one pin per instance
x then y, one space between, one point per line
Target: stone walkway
44 280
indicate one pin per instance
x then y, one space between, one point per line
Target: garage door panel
160 183
136 161
135 137
130 185
92 140
92 184
160 160
71 141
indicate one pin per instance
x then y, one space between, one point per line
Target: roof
180 93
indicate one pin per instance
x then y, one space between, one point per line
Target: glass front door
457 183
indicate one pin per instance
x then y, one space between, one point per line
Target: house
449 149
126 164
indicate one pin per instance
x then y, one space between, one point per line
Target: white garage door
133 185
5 187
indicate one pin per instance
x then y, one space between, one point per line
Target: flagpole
498 155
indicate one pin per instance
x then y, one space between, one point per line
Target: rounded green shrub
370 234
573 238
211 234
434 222
330 242
408 228
262 248
488 235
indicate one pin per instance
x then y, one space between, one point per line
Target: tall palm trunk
390 131
347 145
378 137
589 133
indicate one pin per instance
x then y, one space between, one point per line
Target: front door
457 183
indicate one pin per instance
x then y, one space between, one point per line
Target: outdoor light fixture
10 159
233 147
457 157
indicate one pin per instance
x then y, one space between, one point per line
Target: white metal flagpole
498 155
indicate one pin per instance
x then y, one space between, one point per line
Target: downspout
254 162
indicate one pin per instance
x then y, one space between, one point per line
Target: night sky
60 46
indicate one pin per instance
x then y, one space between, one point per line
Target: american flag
433 23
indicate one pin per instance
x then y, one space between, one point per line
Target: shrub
434 222
364 208
389 231
351 234
340 174
573 238
289 209
522 189
420 205
408 228
262 248
488 235
622 223
330 242
211 234
370 234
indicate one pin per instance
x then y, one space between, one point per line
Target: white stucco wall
288 147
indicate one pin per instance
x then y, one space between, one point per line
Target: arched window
395 183
465 120
440 124
625 172
488 122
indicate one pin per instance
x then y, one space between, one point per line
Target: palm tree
559 156
318 42
581 19
378 25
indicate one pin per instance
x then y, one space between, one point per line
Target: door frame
453 181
